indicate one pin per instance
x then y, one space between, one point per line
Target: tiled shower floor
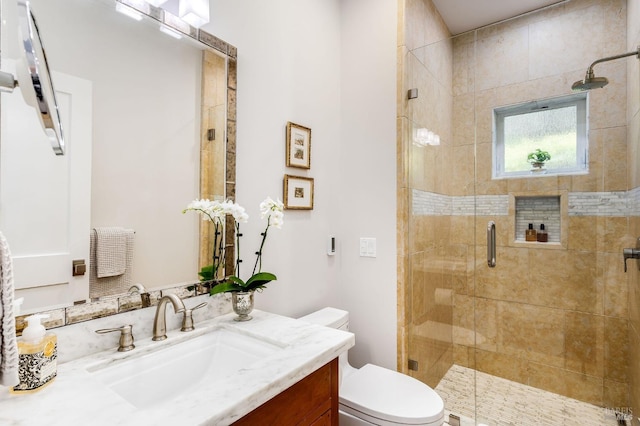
501 402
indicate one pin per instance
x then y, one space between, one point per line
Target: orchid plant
216 211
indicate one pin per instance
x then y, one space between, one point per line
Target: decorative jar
242 302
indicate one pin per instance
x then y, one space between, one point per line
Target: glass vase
242 303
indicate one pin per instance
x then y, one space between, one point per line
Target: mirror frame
112 305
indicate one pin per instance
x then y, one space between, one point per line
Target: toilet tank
329 317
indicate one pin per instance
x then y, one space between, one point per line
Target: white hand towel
8 341
111 251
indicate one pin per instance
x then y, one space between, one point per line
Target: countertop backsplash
75 326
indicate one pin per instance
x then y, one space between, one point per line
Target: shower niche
538 210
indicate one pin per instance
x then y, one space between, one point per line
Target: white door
45 200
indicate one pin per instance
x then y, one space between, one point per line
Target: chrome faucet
137 287
145 297
160 322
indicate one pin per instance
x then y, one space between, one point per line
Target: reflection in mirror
143 144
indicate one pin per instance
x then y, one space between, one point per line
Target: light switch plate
367 247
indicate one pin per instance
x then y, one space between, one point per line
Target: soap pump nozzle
34 331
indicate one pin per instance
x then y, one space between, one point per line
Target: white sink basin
151 378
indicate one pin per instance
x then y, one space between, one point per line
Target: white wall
288 70
328 65
369 285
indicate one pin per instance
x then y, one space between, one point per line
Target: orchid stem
259 252
238 235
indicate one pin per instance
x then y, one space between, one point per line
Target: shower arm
611 58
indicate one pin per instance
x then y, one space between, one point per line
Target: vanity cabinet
313 401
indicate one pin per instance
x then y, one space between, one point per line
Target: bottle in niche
542 235
530 234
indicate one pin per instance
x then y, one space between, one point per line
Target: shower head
591 81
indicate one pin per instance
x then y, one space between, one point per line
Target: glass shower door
544 334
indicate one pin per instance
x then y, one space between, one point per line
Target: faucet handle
126 336
187 320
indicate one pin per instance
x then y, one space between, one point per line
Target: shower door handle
491 244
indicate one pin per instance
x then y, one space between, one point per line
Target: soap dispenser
530 234
37 356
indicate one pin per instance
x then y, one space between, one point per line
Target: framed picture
298 146
298 193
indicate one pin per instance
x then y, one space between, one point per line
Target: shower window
558 126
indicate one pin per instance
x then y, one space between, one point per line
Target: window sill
529 175
551 245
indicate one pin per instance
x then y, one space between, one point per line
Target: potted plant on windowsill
537 159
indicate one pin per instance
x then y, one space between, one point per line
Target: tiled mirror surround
107 306
117 304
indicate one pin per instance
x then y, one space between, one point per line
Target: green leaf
259 280
237 280
225 287
233 283
206 273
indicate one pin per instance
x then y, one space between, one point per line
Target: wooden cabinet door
313 401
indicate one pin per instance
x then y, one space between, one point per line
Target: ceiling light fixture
194 12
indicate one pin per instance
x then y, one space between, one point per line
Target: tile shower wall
553 317
556 318
633 170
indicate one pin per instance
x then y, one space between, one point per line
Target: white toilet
374 395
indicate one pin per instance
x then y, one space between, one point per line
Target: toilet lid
390 396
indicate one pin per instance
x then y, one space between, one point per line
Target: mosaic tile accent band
431 204
609 204
633 202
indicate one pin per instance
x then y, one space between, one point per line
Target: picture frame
298 192
298 146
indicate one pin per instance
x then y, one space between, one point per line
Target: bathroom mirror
147 136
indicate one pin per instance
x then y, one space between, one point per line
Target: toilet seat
385 397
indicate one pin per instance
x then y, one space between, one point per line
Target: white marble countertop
75 397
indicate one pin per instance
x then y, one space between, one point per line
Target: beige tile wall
551 318
633 174
554 319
